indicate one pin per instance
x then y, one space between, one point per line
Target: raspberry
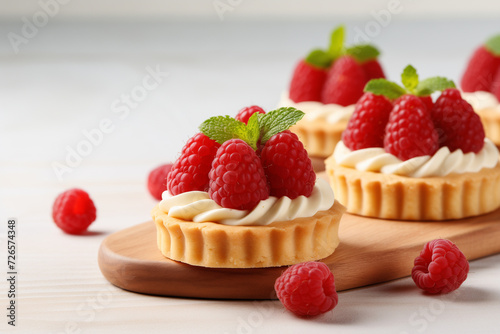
157 180
410 132
495 85
307 289
245 113
73 211
427 100
190 171
480 71
372 69
440 268
237 179
366 127
345 82
307 82
457 124
287 166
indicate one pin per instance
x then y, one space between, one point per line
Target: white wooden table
72 79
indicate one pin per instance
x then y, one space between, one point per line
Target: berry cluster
483 70
336 75
407 123
243 160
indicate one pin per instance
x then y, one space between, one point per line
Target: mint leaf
409 78
336 47
277 121
319 58
253 130
224 128
389 89
493 45
363 52
434 84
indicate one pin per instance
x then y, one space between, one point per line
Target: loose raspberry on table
287 166
157 180
366 127
73 211
458 126
237 179
410 131
307 289
190 170
245 113
440 268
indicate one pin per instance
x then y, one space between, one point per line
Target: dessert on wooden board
481 86
243 194
404 156
325 85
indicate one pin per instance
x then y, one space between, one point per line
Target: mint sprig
337 39
260 127
411 84
493 45
363 52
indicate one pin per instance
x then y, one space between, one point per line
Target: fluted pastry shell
223 246
318 136
390 196
490 118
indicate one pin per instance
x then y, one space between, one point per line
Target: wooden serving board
370 251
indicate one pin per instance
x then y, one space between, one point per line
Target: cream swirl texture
197 206
442 163
481 100
331 113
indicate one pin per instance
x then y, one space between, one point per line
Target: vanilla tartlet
448 185
486 105
193 229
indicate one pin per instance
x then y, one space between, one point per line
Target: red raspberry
287 166
427 100
366 127
410 132
458 126
245 113
495 85
73 211
190 171
440 268
237 179
373 70
157 180
307 289
480 71
345 82
307 82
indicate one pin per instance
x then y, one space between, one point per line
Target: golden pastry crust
386 196
318 136
222 246
491 122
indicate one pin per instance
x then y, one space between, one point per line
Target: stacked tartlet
326 85
481 85
243 194
403 156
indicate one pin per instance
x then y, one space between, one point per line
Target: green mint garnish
319 58
389 89
337 39
363 52
411 84
260 126
434 84
493 45
224 128
277 121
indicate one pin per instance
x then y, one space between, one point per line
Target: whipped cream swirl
481 100
442 163
331 113
198 207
